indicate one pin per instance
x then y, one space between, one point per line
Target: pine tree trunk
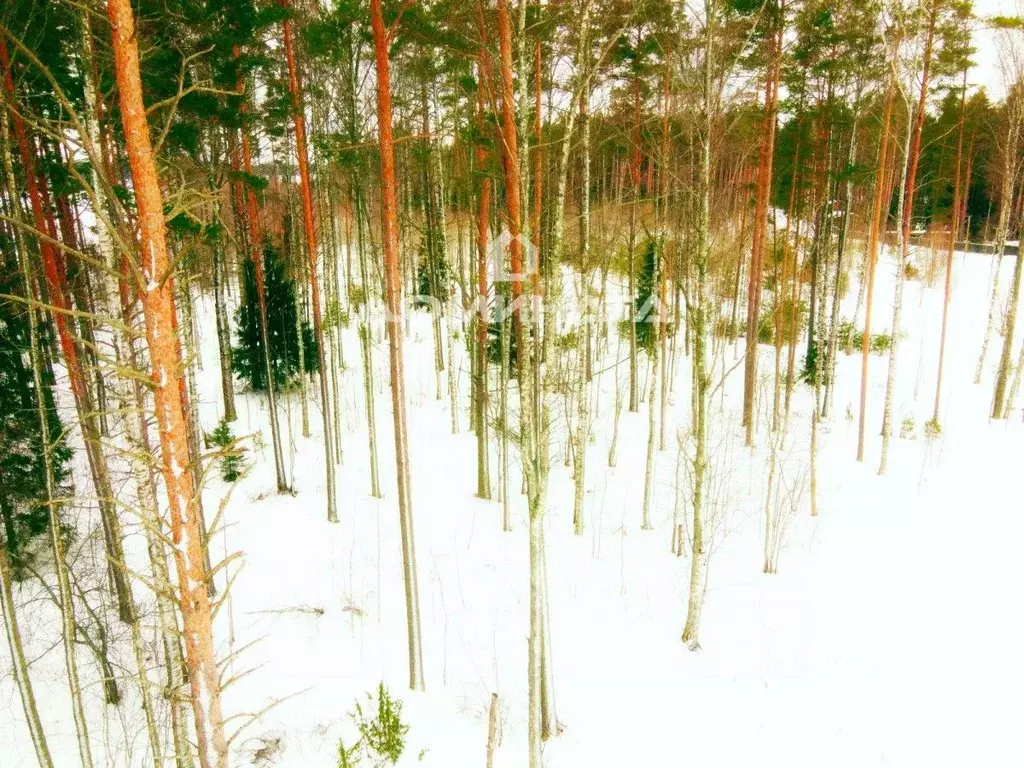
134 425
533 438
872 263
954 228
483 480
165 357
299 119
256 253
760 231
389 215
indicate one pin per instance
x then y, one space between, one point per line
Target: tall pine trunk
309 225
389 223
532 437
165 357
756 277
256 253
483 479
954 228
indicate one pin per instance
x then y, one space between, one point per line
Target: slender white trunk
897 307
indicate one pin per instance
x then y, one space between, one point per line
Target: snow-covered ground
888 637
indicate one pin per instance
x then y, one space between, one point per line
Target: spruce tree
281 324
647 312
22 469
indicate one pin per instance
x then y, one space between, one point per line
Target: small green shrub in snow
569 340
908 428
384 733
381 735
348 757
336 316
849 338
881 343
232 465
932 429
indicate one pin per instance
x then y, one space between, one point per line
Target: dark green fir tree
23 507
284 336
646 292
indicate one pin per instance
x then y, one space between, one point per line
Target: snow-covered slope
890 635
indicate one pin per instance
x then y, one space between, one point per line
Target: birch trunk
833 326
66 603
701 373
902 234
1005 359
533 438
583 391
22 679
872 263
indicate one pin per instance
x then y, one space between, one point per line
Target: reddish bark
954 227
165 358
393 296
511 166
482 235
299 119
756 276
256 253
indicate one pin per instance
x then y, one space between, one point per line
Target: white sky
988 43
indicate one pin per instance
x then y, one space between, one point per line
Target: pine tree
247 357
